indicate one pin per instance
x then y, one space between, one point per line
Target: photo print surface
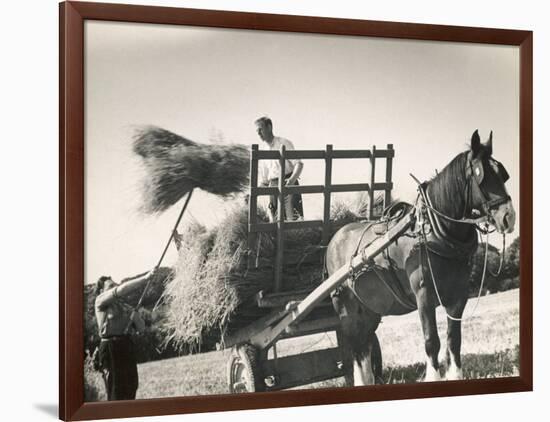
229 173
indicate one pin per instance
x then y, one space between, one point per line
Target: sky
426 98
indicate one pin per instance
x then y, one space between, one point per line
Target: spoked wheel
243 370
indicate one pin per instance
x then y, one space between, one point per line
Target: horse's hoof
454 373
432 374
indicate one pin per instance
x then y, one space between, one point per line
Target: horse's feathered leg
358 331
454 340
426 310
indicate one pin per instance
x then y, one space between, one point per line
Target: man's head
104 283
264 127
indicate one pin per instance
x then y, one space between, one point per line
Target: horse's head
487 177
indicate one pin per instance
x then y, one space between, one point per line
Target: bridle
474 174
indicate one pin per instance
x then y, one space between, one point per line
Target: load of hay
213 290
175 165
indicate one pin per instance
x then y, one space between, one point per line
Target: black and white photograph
270 210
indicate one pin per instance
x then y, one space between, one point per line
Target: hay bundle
213 289
175 165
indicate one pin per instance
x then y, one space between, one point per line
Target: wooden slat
274 300
372 181
388 189
280 223
382 186
303 189
320 155
304 154
314 326
350 187
304 368
245 334
262 227
265 154
350 153
327 196
308 224
282 299
384 153
264 190
253 206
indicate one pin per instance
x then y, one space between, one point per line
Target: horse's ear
475 145
489 144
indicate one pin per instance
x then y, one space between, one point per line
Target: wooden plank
384 153
320 155
350 187
274 300
288 225
264 190
253 206
314 326
303 189
382 186
389 165
372 177
262 227
281 299
350 153
304 154
308 224
304 368
265 154
327 195
280 222
245 334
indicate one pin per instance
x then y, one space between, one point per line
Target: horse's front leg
426 310
454 340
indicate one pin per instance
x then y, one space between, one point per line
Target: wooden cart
300 313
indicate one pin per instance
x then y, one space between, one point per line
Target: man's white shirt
271 169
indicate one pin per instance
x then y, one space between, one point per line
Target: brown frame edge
71 208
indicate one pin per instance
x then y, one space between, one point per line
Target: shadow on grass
474 366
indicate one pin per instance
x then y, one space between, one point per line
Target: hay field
490 340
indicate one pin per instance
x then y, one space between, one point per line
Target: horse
427 267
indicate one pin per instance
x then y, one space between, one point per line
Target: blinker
501 171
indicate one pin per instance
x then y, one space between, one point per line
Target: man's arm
122 291
298 166
297 163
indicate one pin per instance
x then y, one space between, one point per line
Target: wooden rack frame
328 155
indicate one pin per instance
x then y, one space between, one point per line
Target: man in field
116 320
271 172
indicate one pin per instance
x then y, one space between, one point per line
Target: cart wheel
376 358
243 370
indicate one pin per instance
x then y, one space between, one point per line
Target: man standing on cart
293 208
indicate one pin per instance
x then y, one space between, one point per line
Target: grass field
489 349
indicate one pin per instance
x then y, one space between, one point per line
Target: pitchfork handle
175 227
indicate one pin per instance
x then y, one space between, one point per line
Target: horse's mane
446 189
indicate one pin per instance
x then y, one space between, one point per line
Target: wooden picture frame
71 206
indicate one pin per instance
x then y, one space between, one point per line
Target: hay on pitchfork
175 165
213 289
